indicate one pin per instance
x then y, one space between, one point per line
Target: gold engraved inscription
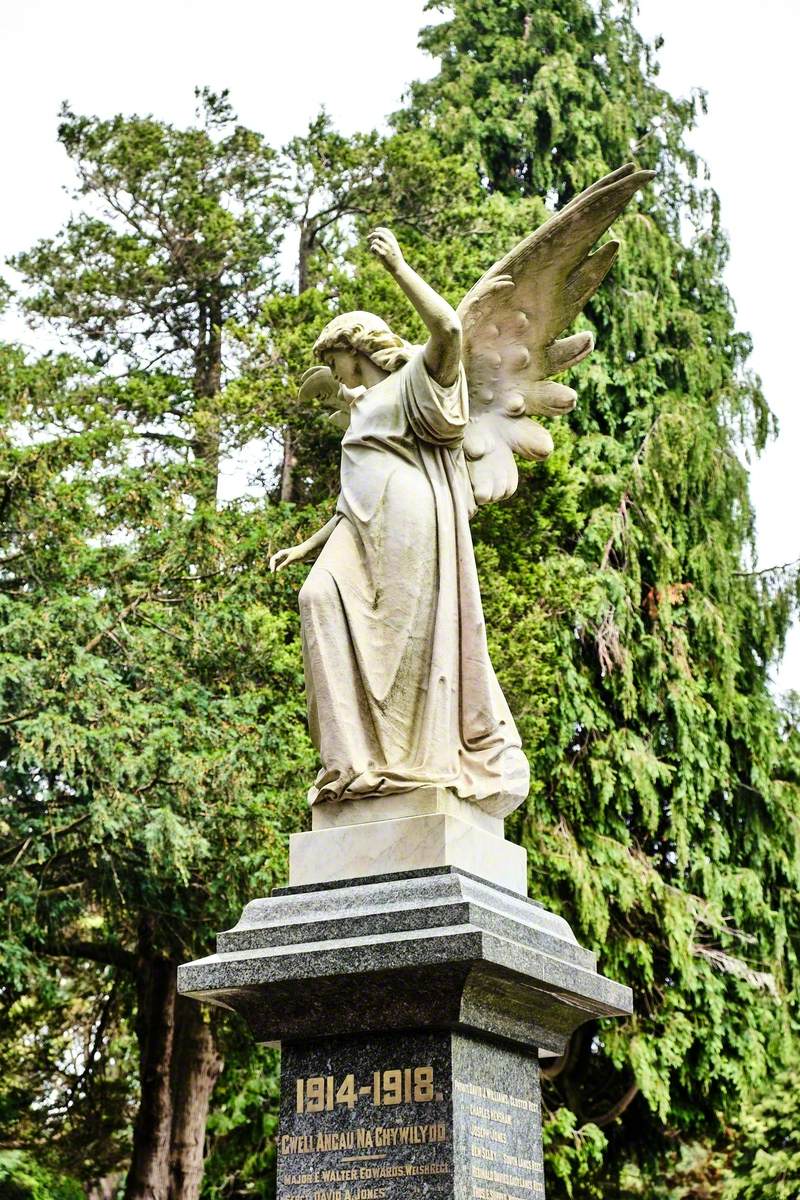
483 1131
362 1173
382 1116
492 1175
498 1173
491 1114
487 1093
490 1193
365 1193
398 1085
363 1138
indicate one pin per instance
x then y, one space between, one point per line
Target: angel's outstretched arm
442 352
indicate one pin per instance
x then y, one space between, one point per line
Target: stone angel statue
401 691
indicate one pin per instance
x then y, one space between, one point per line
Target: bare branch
616 1110
100 952
768 570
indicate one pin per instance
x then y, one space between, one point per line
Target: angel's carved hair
367 334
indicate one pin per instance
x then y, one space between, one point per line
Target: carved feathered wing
320 383
510 321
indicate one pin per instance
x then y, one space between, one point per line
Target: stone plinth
420 802
430 949
428 827
411 1009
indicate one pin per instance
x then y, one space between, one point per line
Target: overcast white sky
282 61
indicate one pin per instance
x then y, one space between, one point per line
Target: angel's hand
385 246
290 554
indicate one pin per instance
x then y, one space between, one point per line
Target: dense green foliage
150 758
766 1153
152 730
21 1178
657 824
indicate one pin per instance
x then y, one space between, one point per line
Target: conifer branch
622 514
795 562
763 980
104 953
87 648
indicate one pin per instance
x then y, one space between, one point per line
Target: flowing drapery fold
401 690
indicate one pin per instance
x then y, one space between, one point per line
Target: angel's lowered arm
307 549
442 352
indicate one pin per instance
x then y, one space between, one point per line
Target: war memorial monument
411 983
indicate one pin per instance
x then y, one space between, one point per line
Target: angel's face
345 365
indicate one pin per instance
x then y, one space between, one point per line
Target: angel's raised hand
385 246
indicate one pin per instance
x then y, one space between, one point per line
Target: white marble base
380 847
418 803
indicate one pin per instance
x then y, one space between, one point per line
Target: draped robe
400 688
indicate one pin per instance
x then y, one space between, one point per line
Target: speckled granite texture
411 1010
434 949
375 1133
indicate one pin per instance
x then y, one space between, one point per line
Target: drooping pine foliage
657 823
152 730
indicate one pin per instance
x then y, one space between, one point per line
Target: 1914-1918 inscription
413 1115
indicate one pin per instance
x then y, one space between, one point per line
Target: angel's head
360 348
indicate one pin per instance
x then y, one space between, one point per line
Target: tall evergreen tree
116 580
150 768
148 780
154 760
632 638
175 235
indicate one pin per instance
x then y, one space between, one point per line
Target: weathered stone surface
401 689
423 950
437 839
421 802
411 1009
433 1114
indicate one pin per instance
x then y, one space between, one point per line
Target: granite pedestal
412 1009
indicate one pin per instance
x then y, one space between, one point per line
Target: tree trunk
308 234
178 1067
196 1066
206 386
287 469
105 1188
308 237
148 1177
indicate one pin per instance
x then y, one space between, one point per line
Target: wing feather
511 319
584 281
568 351
319 383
